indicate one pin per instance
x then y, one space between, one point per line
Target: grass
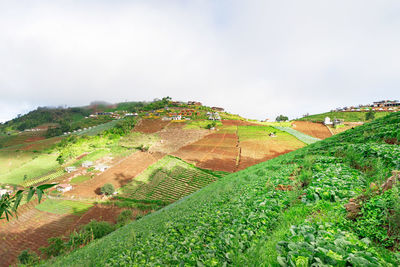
38 166
95 155
98 129
347 116
299 135
200 124
64 206
80 179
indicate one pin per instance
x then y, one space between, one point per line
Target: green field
200 124
31 165
63 206
347 116
98 129
168 180
80 179
247 219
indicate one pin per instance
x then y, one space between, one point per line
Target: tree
107 189
9 203
370 115
281 118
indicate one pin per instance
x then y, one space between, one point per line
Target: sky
258 59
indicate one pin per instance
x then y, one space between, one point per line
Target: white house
70 169
177 117
328 121
5 191
64 188
101 167
87 164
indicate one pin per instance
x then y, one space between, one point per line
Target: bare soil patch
237 123
173 137
314 129
118 175
150 125
216 151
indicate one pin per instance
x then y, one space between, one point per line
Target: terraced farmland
168 180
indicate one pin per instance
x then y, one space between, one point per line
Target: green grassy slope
295 201
347 116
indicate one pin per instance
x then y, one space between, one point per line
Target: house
214 116
177 117
101 167
337 122
194 103
5 191
70 169
87 164
166 118
218 109
328 121
64 188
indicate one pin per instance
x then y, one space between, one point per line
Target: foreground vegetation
353 116
288 211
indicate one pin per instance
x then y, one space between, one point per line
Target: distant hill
353 116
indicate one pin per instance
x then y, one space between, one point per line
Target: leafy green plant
56 247
28 257
323 244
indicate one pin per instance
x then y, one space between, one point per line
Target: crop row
42 179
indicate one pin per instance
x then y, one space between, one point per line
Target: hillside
353 116
289 210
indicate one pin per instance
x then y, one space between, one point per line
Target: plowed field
33 227
151 125
217 151
118 175
317 130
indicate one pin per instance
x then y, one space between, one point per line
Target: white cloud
256 58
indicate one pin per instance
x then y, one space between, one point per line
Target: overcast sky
255 58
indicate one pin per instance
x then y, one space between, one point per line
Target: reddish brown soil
257 151
217 151
33 227
150 125
317 130
173 137
118 175
237 123
33 139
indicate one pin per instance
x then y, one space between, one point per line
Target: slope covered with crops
288 211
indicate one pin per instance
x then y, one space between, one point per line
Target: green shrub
27 257
124 217
98 229
56 247
107 189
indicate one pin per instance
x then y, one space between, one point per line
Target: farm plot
150 125
28 169
317 130
119 174
35 225
217 151
173 137
257 146
168 180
